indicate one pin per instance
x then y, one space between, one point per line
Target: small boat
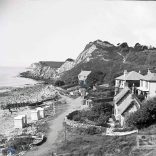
38 139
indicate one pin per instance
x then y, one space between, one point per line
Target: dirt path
56 126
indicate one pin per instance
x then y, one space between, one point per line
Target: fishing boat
38 139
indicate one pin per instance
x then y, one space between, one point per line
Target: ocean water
9 77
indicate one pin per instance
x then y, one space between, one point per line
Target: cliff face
69 64
48 70
40 71
112 60
97 56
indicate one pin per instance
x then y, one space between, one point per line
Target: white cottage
83 75
148 85
127 79
125 103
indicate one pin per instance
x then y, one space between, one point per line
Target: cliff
112 60
97 56
48 70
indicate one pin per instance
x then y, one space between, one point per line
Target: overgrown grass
99 145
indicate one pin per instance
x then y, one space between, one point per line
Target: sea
9 78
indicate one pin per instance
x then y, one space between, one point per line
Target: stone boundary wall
110 132
75 124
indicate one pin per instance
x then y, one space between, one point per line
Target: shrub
102 108
59 83
144 117
95 77
77 117
70 115
100 114
103 119
141 97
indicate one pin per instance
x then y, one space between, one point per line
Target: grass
97 144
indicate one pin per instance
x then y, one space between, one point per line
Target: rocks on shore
28 95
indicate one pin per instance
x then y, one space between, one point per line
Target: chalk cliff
97 56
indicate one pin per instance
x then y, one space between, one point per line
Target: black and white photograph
77 78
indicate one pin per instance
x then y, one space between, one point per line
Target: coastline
27 95
35 93
21 99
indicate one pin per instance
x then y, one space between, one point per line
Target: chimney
148 71
125 73
139 72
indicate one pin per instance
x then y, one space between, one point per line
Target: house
127 79
125 102
147 86
87 104
82 77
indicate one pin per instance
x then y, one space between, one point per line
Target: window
146 84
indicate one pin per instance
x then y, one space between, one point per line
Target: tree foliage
100 114
95 77
145 116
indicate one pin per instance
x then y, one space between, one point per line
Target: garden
98 115
143 117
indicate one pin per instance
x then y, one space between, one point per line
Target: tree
143 117
95 77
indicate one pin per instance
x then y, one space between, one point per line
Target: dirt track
56 126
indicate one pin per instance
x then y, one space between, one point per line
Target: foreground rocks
28 95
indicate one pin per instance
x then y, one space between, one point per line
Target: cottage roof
85 73
150 76
133 75
121 94
127 102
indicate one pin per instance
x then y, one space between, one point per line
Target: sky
54 30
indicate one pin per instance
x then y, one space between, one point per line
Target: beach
40 96
18 96
20 100
55 134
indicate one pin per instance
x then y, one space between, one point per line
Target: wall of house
152 89
82 77
117 83
145 84
120 83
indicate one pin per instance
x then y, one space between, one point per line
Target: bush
77 117
95 77
141 97
144 117
72 114
92 130
100 113
103 120
59 83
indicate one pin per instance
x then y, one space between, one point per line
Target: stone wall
77 125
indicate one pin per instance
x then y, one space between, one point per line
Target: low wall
110 132
75 124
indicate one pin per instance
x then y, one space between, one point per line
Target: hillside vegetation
100 56
112 60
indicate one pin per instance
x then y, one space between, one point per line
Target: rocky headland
97 56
